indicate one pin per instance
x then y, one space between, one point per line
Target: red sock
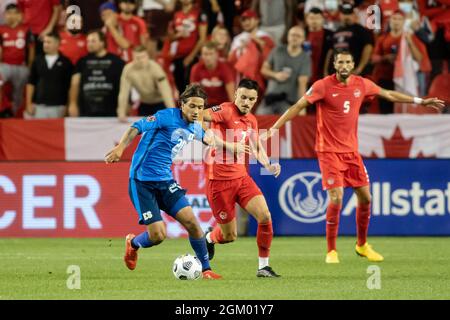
362 222
216 235
264 237
332 225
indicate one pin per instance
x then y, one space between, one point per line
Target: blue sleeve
156 121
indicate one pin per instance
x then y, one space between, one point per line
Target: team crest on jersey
150 118
216 108
357 93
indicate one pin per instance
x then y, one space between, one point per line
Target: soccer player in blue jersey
151 185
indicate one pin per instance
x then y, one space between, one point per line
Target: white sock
263 262
208 237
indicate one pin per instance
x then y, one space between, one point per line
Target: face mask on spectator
331 5
406 7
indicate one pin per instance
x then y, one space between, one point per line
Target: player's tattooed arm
287 116
395 96
115 153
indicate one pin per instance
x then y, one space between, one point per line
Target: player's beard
245 109
344 76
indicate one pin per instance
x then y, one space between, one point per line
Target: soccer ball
187 267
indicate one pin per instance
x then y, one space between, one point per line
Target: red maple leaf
397 146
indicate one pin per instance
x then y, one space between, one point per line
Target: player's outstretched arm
115 153
287 116
395 96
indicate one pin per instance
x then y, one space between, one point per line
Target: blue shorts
149 197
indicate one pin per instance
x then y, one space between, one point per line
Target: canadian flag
405 72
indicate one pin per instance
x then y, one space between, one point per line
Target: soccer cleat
267 272
332 257
209 274
131 255
210 246
367 251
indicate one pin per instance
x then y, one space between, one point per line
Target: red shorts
224 194
342 170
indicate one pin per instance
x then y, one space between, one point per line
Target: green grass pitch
414 268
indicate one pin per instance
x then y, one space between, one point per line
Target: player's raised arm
287 116
395 96
116 153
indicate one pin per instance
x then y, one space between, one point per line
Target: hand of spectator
114 155
111 21
281 76
434 103
415 25
275 169
390 57
73 110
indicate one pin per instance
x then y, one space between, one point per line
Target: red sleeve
371 88
227 73
143 31
219 113
55 2
316 92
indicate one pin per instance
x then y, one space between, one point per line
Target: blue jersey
163 136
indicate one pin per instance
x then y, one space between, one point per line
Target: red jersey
227 117
37 13
316 40
188 23
132 30
14 43
213 81
73 46
338 110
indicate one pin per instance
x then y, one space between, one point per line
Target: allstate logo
301 197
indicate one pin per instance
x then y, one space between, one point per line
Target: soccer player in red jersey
338 99
228 179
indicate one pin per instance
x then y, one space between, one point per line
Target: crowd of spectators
133 57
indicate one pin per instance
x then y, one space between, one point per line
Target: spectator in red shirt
41 16
318 42
73 40
385 54
187 34
250 49
214 76
15 39
124 31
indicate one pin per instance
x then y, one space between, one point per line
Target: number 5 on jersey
346 106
